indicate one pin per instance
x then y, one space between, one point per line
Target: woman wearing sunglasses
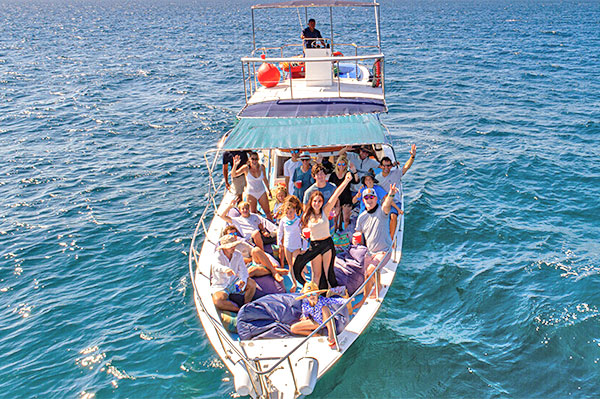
337 177
256 183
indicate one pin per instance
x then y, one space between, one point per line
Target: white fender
241 379
306 372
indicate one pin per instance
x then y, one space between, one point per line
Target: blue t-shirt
380 194
327 192
306 179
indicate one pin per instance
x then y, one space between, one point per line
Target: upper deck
335 79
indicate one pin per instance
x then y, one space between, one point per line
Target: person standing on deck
302 178
374 225
321 184
238 184
310 35
392 174
289 167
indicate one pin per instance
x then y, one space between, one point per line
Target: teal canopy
265 133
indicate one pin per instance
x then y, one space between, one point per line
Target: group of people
314 201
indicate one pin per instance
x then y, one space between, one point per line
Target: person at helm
310 35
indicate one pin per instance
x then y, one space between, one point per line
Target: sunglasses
254 159
342 164
386 165
294 151
369 197
235 233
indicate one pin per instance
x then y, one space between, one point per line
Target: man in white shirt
251 225
392 174
289 167
361 161
229 275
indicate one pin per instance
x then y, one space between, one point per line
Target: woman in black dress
337 177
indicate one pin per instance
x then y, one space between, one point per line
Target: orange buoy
268 75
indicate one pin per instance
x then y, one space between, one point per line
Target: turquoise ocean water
106 109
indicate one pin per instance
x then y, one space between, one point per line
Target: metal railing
249 69
224 338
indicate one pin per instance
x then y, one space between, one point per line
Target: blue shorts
394 211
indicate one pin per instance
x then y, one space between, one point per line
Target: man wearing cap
361 161
374 225
289 167
302 178
369 181
392 174
229 275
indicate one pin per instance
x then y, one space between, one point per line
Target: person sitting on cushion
249 224
229 275
259 263
315 310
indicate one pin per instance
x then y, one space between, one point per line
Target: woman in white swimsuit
256 183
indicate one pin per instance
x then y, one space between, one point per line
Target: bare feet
282 270
278 277
305 274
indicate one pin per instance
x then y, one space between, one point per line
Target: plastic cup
298 184
306 233
356 238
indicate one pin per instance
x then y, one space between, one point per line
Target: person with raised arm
321 250
374 225
250 225
392 174
256 182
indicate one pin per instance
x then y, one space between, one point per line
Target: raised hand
236 160
413 150
352 167
393 189
348 178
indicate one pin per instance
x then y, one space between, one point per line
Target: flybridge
337 72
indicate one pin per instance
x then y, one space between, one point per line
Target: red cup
298 183
356 238
306 233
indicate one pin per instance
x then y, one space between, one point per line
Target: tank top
319 230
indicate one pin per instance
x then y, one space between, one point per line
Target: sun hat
228 241
368 191
370 174
305 155
309 289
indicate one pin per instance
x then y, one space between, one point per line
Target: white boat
320 112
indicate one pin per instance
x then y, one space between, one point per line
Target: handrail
314 59
218 326
283 358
